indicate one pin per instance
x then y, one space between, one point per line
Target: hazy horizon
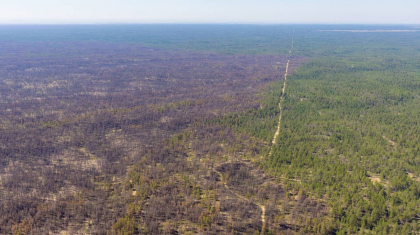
199 23
216 12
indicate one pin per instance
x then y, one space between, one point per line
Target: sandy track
280 103
262 207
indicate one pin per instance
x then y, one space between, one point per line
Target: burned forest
101 138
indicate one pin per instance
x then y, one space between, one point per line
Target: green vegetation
349 134
261 122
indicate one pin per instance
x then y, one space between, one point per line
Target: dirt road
262 207
281 99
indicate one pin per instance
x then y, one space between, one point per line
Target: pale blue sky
210 11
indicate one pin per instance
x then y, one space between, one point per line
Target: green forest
349 134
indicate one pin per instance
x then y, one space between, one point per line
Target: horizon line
206 23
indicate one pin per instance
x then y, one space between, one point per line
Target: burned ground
95 137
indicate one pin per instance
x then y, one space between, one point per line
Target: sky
210 11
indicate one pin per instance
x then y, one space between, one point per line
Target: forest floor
261 206
151 155
390 141
223 177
